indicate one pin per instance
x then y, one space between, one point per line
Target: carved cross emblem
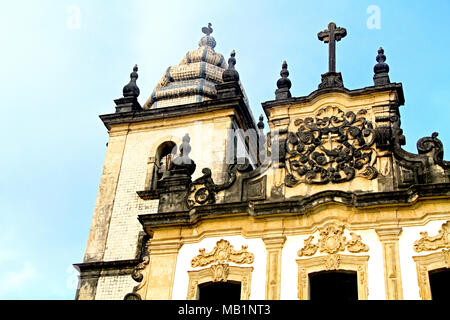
330 36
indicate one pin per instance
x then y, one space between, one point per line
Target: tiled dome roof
193 79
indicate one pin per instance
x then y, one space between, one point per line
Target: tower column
274 245
392 275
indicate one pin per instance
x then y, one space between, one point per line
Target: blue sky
56 80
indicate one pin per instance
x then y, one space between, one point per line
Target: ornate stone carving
356 245
433 144
220 272
203 190
309 248
332 147
331 262
332 240
440 241
222 252
137 274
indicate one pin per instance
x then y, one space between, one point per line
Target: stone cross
330 36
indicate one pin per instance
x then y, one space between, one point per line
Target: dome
193 79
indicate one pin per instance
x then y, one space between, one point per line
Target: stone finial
381 70
131 89
183 162
283 84
231 75
207 30
261 122
207 40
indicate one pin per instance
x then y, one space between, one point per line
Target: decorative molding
332 147
427 263
332 241
430 243
220 273
332 262
222 252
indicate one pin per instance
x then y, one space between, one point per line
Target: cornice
298 206
181 110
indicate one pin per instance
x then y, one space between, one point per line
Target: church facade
197 200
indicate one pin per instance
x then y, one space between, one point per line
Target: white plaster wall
408 266
289 274
189 251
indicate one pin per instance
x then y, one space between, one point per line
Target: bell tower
189 121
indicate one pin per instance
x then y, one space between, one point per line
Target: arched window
161 161
164 156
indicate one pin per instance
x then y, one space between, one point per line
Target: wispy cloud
12 281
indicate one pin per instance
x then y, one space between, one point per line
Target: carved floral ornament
332 241
331 147
430 243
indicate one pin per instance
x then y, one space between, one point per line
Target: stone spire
131 92
283 84
381 70
231 75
